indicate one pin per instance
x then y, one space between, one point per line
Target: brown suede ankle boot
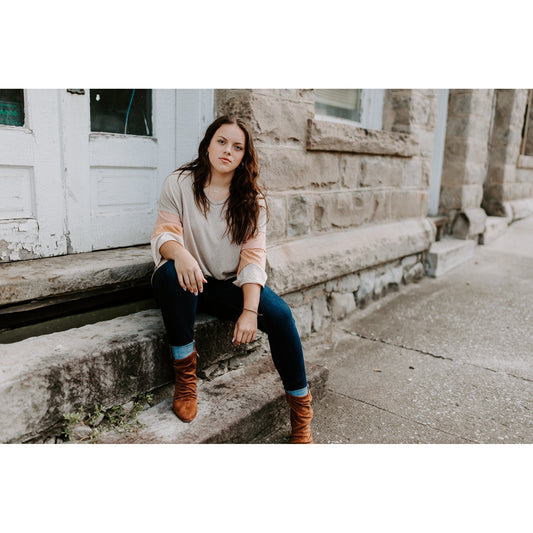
301 416
185 405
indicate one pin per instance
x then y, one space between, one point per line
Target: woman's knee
275 309
165 275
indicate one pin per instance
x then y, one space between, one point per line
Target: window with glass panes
340 103
12 107
126 111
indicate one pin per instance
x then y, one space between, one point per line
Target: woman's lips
224 160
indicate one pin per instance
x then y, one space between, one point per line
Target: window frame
372 101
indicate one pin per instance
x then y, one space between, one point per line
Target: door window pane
122 111
341 103
12 107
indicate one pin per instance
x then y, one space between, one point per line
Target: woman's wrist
172 250
251 310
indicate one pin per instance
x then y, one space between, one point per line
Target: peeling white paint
20 240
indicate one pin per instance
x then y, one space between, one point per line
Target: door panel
117 179
32 206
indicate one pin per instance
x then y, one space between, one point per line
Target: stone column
502 185
414 111
465 159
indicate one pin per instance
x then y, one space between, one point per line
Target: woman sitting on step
209 247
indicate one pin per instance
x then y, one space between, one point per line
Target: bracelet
252 310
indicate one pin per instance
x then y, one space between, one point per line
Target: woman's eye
238 148
221 141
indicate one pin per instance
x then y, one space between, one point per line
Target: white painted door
113 179
32 200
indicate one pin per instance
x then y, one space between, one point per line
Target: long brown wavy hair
242 205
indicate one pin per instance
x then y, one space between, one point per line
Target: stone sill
525 161
299 264
41 278
329 136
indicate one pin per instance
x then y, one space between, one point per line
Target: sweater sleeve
168 226
252 261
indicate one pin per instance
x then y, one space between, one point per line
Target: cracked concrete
446 360
397 345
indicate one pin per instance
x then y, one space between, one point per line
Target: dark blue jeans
224 300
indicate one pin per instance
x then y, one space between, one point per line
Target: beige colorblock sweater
178 219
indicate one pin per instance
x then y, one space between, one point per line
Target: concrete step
104 364
22 281
447 254
494 227
238 407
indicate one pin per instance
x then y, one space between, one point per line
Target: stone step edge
22 281
494 227
106 364
234 408
446 254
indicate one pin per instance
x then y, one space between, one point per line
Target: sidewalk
447 360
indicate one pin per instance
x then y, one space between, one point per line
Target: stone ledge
40 278
494 227
107 363
332 136
305 262
518 209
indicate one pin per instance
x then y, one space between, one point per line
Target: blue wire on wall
128 113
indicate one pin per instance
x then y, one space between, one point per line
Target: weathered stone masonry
348 205
347 201
509 184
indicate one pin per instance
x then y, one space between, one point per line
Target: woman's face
226 149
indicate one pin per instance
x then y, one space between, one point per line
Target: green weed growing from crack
101 420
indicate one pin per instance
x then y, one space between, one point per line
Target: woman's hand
245 328
190 276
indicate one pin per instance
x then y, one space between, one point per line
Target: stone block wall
323 176
347 204
316 307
